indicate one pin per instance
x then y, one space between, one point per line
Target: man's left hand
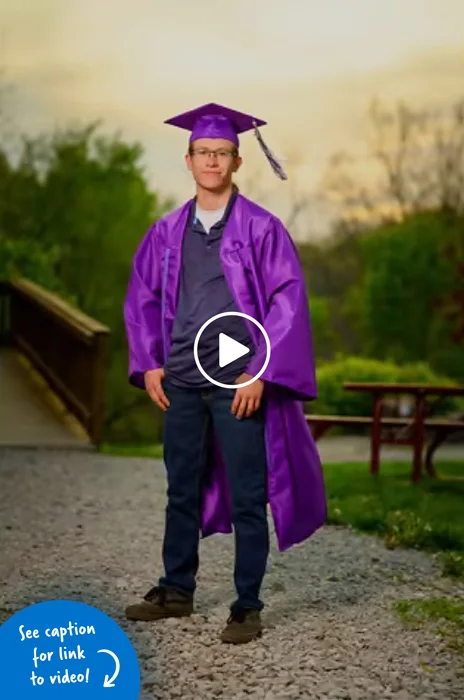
247 398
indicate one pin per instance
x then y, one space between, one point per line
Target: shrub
333 398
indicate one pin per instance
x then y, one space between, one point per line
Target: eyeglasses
221 153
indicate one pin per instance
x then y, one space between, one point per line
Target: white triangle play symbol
230 350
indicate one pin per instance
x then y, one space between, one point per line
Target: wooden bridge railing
65 345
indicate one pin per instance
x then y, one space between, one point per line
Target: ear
237 164
188 161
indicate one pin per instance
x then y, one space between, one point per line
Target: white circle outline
214 318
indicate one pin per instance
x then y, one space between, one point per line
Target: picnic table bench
404 430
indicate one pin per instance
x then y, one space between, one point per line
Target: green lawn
447 616
153 451
427 516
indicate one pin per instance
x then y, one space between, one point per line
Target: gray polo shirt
204 293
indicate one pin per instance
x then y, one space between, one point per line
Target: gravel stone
89 527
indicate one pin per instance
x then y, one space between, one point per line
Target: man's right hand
153 379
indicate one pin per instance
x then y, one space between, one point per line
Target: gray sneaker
160 603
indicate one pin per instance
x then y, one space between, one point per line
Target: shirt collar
219 224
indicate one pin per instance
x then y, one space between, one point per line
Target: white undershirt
208 218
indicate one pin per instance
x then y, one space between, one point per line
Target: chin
213 184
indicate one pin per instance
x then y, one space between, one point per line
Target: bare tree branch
418 160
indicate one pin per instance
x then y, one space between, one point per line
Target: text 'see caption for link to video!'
65 649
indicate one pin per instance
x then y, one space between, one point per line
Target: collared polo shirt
203 293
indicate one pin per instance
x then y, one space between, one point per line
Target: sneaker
243 626
160 603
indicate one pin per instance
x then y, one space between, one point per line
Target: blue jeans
188 420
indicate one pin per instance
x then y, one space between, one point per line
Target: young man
233 447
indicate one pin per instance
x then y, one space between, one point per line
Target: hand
154 387
247 398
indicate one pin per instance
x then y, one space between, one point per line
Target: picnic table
404 430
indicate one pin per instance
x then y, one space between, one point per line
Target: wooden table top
412 388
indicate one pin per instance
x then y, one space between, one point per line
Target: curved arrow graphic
108 682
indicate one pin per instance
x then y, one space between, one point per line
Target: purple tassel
276 166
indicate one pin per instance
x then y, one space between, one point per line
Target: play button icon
230 350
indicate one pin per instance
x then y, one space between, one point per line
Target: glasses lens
222 154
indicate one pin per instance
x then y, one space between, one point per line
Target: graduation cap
213 121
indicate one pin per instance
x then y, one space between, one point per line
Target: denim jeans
188 420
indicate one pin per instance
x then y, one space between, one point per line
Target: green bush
334 399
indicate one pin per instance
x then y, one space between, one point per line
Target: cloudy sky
308 67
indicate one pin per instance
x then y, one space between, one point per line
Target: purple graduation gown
264 274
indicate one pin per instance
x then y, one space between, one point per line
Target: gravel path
88 527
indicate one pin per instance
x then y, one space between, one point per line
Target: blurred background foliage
386 290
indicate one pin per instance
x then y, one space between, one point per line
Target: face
212 163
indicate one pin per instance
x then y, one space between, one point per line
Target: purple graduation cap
213 121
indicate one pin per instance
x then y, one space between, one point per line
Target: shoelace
156 593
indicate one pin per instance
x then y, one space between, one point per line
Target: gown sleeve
142 309
287 317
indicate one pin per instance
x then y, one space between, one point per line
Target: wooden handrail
75 319
65 345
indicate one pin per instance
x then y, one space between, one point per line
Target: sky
309 68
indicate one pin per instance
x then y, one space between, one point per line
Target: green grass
427 516
152 451
446 614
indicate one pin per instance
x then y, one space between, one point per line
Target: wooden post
419 437
375 433
101 348
5 314
439 439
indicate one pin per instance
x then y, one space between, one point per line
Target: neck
208 200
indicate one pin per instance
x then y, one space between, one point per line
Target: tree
451 303
72 212
405 276
415 163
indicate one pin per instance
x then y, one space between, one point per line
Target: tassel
276 166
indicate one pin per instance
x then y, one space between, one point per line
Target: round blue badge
64 649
